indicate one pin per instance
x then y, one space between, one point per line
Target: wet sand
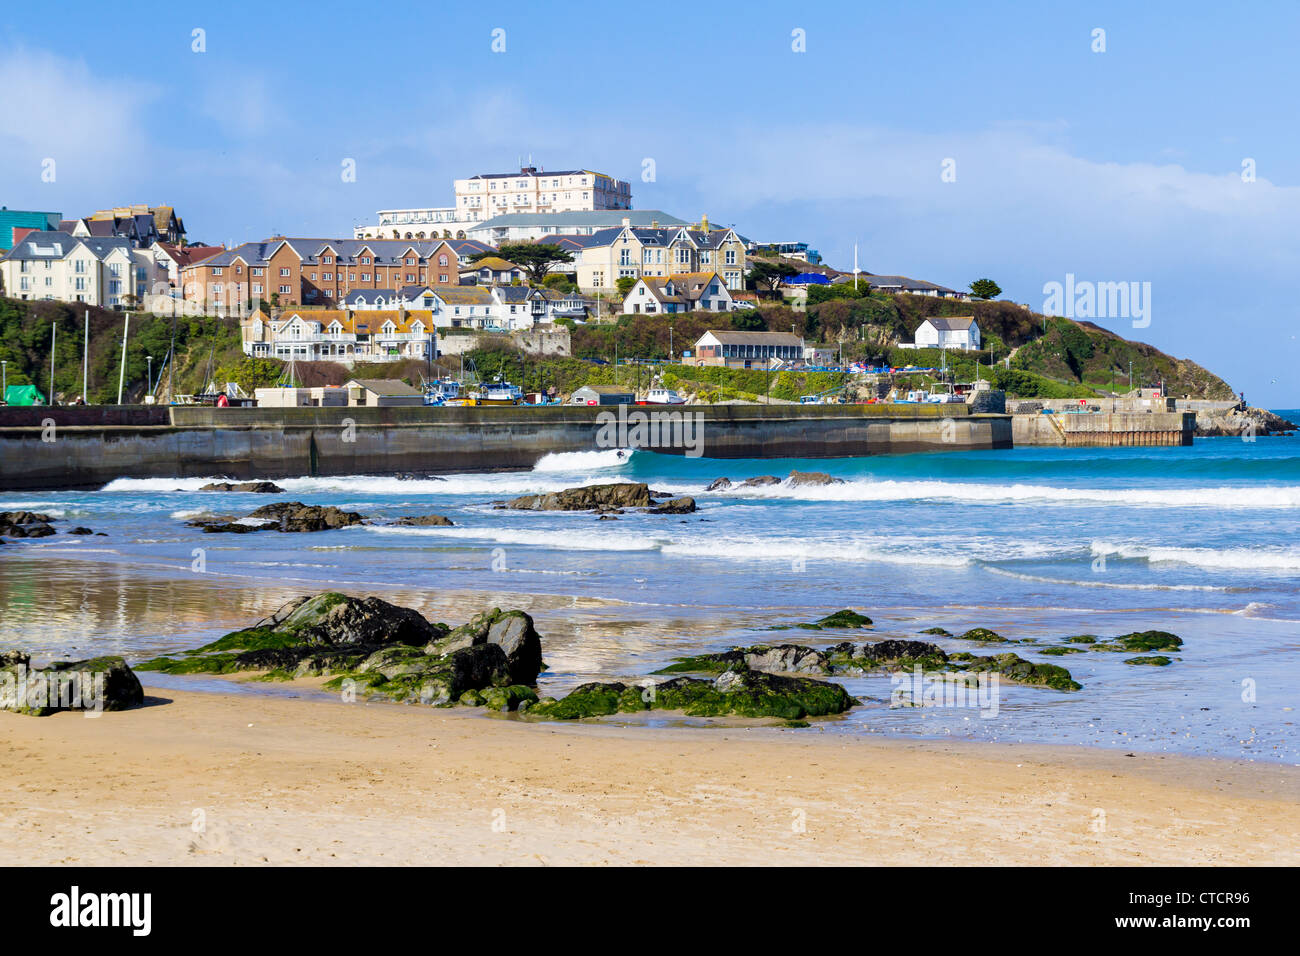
216 779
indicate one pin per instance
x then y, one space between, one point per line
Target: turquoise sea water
1036 543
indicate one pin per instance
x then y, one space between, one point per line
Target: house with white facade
690 292
107 272
959 333
730 349
339 336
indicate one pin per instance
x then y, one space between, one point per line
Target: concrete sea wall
1103 429
89 446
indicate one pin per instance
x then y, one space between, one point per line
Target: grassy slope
1054 357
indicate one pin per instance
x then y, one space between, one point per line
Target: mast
54 327
121 376
85 363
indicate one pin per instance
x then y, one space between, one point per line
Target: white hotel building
488 195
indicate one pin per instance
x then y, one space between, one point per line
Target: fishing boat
444 391
499 393
662 396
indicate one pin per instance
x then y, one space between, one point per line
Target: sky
948 143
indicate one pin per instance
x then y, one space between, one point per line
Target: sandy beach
217 779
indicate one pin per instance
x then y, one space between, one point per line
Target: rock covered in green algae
780 658
389 650
983 634
1142 641
1060 651
508 698
1157 660
740 693
1020 671
843 658
845 619
512 631
937 632
97 683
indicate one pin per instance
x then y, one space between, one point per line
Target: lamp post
670 344
4 381
148 378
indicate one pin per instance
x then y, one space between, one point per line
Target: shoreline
214 779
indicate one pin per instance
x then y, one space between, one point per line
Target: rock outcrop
254 487
586 498
95 684
742 693
424 521
288 516
25 524
382 648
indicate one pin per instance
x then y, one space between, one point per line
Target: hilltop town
551 278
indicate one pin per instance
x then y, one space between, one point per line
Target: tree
748 320
625 284
985 289
771 274
535 258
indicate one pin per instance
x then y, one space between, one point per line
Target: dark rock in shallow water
81 532
288 516
760 481
255 487
587 498
25 524
984 635
799 478
424 521
98 683
1142 641
676 506
719 484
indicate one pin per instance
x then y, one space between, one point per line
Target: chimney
627 221
704 224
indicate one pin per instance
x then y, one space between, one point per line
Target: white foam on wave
1110 585
1269 496
1216 559
38 506
372 487
563 540
582 461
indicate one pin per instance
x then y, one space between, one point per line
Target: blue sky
1115 166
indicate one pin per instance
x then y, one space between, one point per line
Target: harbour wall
79 446
1105 429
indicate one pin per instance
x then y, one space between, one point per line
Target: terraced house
603 258
321 272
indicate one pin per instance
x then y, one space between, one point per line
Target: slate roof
951 323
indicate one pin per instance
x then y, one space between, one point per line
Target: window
328 260
81 283
365 260
216 270
81 265
115 269
442 261
257 287
284 273
257 272
365 277
731 257
216 288
284 290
